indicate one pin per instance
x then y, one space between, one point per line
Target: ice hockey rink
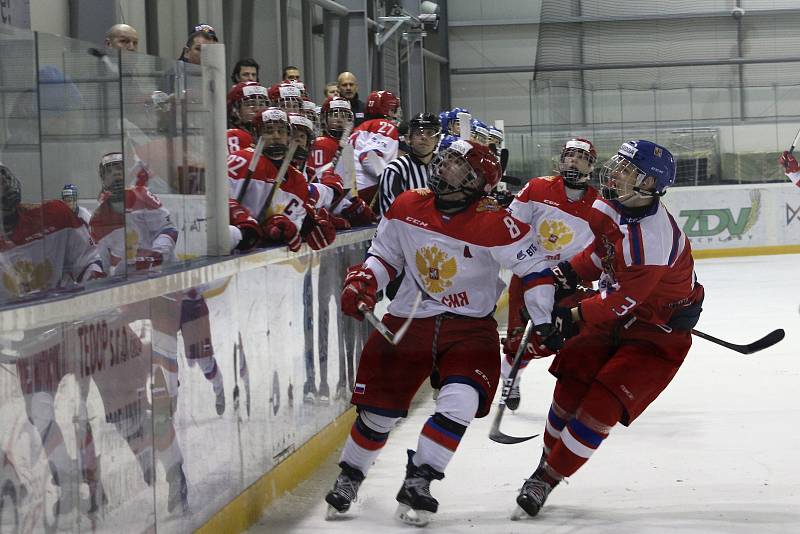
716 452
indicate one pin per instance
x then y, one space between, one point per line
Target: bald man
348 88
122 36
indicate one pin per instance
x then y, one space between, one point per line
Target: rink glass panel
131 391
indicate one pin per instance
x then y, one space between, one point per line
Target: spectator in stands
122 36
202 34
245 70
291 73
348 88
331 89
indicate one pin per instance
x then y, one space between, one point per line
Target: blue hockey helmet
648 159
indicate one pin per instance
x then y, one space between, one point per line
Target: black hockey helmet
424 120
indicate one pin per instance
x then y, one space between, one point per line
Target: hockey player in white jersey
132 228
451 241
557 208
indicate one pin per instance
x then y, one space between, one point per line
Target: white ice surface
716 452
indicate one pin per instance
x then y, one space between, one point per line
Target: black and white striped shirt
404 173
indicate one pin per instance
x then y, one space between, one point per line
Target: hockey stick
251 169
794 143
393 338
760 344
279 179
495 434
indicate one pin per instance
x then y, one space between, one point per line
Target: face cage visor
337 121
450 173
578 170
621 179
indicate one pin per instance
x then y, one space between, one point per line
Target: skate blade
409 516
520 514
332 514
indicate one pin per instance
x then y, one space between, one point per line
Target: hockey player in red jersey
451 242
283 219
245 101
557 208
790 167
624 344
375 141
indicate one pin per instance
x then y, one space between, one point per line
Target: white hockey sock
367 437
455 408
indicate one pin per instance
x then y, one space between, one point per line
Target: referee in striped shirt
411 171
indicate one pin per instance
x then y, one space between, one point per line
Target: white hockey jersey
454 260
376 139
49 248
561 226
145 225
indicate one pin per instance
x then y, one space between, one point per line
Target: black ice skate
417 505
533 494
324 394
309 392
344 491
178 499
513 399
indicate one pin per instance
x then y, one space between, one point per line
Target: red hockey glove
147 258
340 223
358 213
322 232
334 181
360 286
535 349
279 229
789 163
239 217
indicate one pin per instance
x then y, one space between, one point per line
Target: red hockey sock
598 412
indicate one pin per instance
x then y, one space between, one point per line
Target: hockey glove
536 348
789 163
549 336
360 286
322 232
239 217
279 229
565 276
334 181
563 323
147 258
358 213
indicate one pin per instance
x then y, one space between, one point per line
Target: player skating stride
625 344
451 241
557 208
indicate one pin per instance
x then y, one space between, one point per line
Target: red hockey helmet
576 162
383 104
245 100
286 96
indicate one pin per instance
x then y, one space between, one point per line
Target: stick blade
767 341
496 435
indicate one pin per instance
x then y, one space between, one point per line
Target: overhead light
428 8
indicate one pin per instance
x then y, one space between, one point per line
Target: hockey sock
505 368
557 418
598 413
367 437
456 406
212 372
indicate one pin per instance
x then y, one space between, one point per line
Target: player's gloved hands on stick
240 217
535 349
565 276
360 286
147 258
359 213
279 229
789 162
322 232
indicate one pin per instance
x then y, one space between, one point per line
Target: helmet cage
579 169
452 173
337 120
613 187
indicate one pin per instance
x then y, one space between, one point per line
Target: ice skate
324 394
309 392
417 505
178 500
344 491
532 496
